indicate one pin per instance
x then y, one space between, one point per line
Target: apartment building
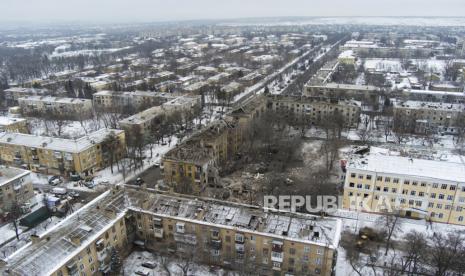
9 124
15 187
11 95
316 110
345 91
417 188
61 156
81 245
433 96
42 105
236 236
144 120
431 116
137 99
198 159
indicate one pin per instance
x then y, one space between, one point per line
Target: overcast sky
162 10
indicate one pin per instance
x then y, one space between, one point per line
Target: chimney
76 240
34 238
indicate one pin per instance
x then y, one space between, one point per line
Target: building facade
10 124
61 156
315 110
45 105
416 188
15 188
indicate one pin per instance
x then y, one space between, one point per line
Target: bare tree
390 225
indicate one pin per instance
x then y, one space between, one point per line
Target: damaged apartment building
196 162
234 236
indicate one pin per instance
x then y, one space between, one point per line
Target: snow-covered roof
6 121
242 218
59 245
58 144
7 174
399 165
429 105
50 99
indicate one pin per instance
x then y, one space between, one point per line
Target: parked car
59 191
150 265
74 194
54 180
89 184
139 181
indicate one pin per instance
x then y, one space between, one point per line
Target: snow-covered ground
353 221
133 262
69 129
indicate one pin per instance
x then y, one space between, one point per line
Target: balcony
277 246
158 232
185 238
277 257
216 244
240 248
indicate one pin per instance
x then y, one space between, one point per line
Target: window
439 206
378 188
90 260
318 261
367 186
379 178
431 205
404 192
306 249
452 187
413 193
441 196
435 185
395 180
414 183
447 207
440 215
460 218
433 195
368 177
423 184
359 186
352 175
292 251
394 190
387 179
360 176
418 203
410 202
319 251
459 209
449 197
351 184
421 194
444 186
385 189
406 182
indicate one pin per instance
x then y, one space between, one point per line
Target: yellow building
417 188
15 186
61 156
198 159
81 245
240 237
347 57
316 110
9 124
235 236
